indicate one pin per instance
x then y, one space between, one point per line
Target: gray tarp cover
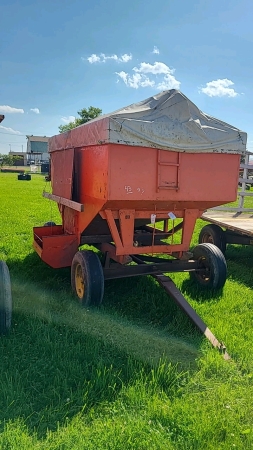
168 120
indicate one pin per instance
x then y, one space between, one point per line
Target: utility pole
10 147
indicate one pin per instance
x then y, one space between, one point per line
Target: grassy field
134 374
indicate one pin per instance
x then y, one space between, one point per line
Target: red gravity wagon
116 177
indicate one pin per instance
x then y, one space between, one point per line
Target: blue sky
58 56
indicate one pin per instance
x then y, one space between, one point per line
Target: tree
8 160
85 116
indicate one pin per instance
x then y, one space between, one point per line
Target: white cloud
92 59
169 82
219 88
123 75
136 80
35 110
156 68
126 57
68 119
9 130
103 58
140 79
5 109
156 50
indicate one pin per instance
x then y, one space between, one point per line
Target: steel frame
124 237
169 286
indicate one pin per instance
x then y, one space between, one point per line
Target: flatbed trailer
231 224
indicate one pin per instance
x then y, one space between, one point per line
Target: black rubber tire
211 258
49 224
213 234
89 264
5 299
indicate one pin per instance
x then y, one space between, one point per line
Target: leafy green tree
8 160
86 114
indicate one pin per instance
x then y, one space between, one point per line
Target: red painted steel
62 173
123 186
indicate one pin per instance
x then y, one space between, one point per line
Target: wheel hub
207 238
203 274
79 281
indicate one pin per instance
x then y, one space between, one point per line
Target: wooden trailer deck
231 224
238 222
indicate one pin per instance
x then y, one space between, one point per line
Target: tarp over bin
168 121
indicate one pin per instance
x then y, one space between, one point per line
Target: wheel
213 234
5 298
212 259
87 278
49 224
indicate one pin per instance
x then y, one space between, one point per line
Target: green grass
135 374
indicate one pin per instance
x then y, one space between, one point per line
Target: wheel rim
79 281
204 277
207 238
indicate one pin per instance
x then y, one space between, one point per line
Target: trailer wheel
213 234
49 224
87 278
212 259
5 298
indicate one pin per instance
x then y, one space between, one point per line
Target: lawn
133 374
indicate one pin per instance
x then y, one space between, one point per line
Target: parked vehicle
115 177
231 224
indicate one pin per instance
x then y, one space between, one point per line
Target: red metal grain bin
159 160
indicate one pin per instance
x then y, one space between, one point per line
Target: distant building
37 149
21 158
36 154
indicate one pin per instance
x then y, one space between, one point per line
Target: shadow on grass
60 360
191 288
143 300
240 264
138 298
33 269
50 373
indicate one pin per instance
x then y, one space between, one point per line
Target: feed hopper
132 184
